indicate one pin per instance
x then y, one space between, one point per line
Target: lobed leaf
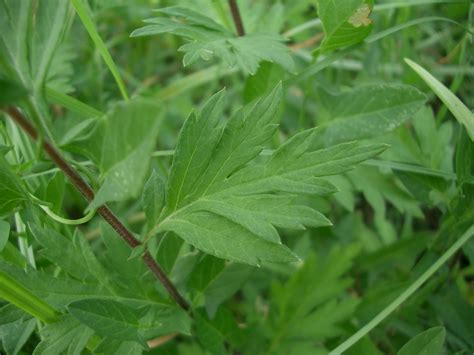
227 203
208 39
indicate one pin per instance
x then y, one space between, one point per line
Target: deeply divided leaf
224 201
208 39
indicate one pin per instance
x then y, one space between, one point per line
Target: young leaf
121 144
452 102
430 342
222 202
208 39
345 22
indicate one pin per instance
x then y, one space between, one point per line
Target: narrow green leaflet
452 102
12 191
121 145
65 336
345 22
225 202
430 342
208 39
369 111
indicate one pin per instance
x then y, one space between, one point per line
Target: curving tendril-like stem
83 187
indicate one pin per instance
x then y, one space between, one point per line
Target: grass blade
452 102
405 295
83 13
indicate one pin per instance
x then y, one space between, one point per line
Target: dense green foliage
304 181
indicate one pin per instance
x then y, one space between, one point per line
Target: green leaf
153 198
208 268
223 202
137 252
452 102
118 320
208 39
30 33
311 305
224 285
4 234
430 342
67 335
108 318
130 275
121 145
220 237
14 335
74 256
369 111
345 22
213 333
266 78
109 346
12 191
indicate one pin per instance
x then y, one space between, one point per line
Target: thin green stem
57 218
405 295
86 19
15 293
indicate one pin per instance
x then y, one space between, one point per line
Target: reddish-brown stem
234 9
81 185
